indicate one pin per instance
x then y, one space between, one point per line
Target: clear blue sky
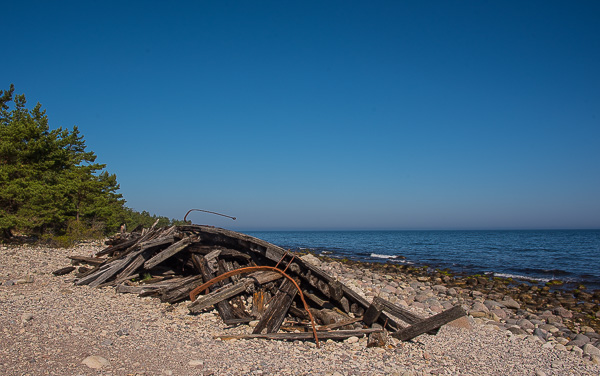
327 114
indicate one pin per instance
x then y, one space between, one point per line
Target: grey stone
440 289
516 330
582 337
525 324
491 304
541 333
563 312
591 349
511 303
480 307
576 343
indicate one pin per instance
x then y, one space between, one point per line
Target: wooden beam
168 252
278 308
334 335
219 295
430 323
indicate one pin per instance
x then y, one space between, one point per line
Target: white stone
95 362
352 339
196 363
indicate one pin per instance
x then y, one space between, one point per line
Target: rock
500 313
576 343
491 304
311 259
582 337
253 323
26 317
478 314
552 320
525 324
562 312
122 332
591 349
511 303
196 363
539 373
440 289
479 307
595 359
464 322
516 330
547 345
351 340
541 333
587 329
560 347
577 351
95 362
452 292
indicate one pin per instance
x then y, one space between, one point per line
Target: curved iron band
195 292
206 211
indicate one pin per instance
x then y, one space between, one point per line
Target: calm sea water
569 255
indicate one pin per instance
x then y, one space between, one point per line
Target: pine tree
47 177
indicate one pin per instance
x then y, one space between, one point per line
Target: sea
572 256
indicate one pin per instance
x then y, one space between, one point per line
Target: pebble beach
51 327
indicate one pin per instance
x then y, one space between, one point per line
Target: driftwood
173 263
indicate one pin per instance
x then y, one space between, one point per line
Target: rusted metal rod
249 269
206 211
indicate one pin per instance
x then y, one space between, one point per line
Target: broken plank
219 295
278 308
334 335
168 252
88 260
430 323
224 308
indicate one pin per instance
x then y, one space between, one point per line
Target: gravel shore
51 327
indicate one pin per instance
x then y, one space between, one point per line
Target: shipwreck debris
247 279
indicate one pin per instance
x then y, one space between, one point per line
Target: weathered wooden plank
278 308
333 335
168 252
181 290
223 307
64 271
88 260
372 313
430 323
219 295
315 299
397 311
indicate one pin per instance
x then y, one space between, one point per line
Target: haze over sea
569 255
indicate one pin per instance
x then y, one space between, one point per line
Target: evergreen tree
47 177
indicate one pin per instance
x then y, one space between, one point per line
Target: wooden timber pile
247 280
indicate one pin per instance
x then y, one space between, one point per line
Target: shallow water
569 255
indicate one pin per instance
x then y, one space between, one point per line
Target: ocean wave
523 277
376 255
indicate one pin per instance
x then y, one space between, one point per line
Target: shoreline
536 296
50 326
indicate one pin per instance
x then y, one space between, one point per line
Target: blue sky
327 114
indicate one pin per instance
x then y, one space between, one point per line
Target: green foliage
50 186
